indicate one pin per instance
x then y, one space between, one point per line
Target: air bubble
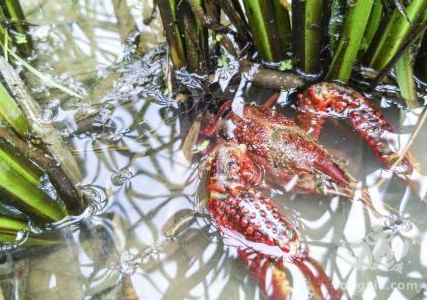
121 177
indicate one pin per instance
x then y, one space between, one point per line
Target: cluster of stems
328 39
26 162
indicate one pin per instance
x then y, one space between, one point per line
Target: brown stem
234 12
271 79
206 19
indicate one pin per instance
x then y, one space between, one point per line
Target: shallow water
150 230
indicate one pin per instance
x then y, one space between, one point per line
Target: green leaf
286 65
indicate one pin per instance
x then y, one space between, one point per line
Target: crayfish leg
319 283
272 276
271 279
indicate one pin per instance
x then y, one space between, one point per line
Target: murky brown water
151 231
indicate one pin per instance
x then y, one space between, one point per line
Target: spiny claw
329 99
258 220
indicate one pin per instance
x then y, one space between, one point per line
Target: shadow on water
149 237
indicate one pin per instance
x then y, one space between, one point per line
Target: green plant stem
234 12
354 27
45 131
421 61
405 80
336 22
21 166
11 113
261 15
13 11
283 26
67 192
396 32
204 18
9 227
193 38
49 81
308 35
373 24
28 198
168 14
12 225
418 33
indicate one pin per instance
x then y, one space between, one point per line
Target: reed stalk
395 34
67 191
12 10
308 18
26 197
405 80
11 113
421 61
168 14
269 24
377 14
63 171
237 18
357 18
194 36
46 132
283 23
9 227
336 22
21 165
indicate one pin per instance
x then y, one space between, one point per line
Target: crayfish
256 148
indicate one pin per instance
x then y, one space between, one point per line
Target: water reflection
151 232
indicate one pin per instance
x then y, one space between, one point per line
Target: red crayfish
256 148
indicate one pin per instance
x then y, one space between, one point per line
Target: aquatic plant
32 154
332 40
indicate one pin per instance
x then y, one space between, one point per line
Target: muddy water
149 237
